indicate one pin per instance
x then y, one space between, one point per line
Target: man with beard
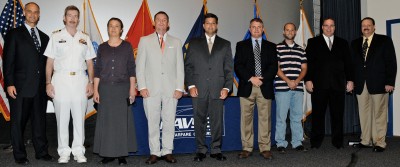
375 76
292 67
70 53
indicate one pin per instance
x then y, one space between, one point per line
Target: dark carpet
326 155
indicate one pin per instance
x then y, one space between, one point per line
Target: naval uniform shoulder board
56 31
85 33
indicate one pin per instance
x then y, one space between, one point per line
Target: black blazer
328 69
24 67
245 67
380 67
209 72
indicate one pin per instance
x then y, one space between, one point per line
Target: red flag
4 108
141 26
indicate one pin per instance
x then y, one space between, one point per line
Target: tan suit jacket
161 73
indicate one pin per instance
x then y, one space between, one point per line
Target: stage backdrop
184 127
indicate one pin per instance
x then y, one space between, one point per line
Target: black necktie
257 59
365 47
35 39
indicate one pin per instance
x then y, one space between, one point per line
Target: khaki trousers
373 109
264 121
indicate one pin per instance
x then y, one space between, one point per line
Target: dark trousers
203 107
320 100
21 109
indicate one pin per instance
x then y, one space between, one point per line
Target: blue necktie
35 39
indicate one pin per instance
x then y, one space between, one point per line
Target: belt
71 72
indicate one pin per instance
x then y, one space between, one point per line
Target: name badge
62 41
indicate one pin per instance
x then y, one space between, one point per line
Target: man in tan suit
160 76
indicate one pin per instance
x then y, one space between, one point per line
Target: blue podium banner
184 141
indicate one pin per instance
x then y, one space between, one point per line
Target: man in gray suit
160 76
208 71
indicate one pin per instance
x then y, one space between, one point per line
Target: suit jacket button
209 68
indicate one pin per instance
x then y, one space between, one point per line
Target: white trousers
155 113
70 99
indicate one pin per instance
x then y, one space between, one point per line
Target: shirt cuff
191 86
226 89
142 88
180 90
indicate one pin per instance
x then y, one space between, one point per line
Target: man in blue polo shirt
292 67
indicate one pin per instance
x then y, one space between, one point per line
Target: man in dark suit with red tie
328 78
24 78
375 76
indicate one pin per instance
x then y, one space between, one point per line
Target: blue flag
248 36
197 29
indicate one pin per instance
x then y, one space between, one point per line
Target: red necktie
162 45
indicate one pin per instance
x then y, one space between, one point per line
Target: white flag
303 34
90 28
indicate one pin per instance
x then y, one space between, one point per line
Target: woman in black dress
114 91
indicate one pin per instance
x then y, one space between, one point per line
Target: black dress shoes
122 161
281 150
22 161
359 145
218 157
301 148
46 157
106 160
378 149
314 147
199 157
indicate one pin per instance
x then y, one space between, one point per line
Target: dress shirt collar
35 29
212 38
164 37
369 39
327 39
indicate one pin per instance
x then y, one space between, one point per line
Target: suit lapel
249 49
323 42
42 39
204 45
359 48
27 35
372 47
216 44
156 43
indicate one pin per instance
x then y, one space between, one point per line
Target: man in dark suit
24 77
375 76
256 66
209 75
328 77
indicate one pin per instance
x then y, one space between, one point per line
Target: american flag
11 17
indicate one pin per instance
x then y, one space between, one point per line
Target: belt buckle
72 73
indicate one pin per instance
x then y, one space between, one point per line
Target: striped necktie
365 47
257 59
